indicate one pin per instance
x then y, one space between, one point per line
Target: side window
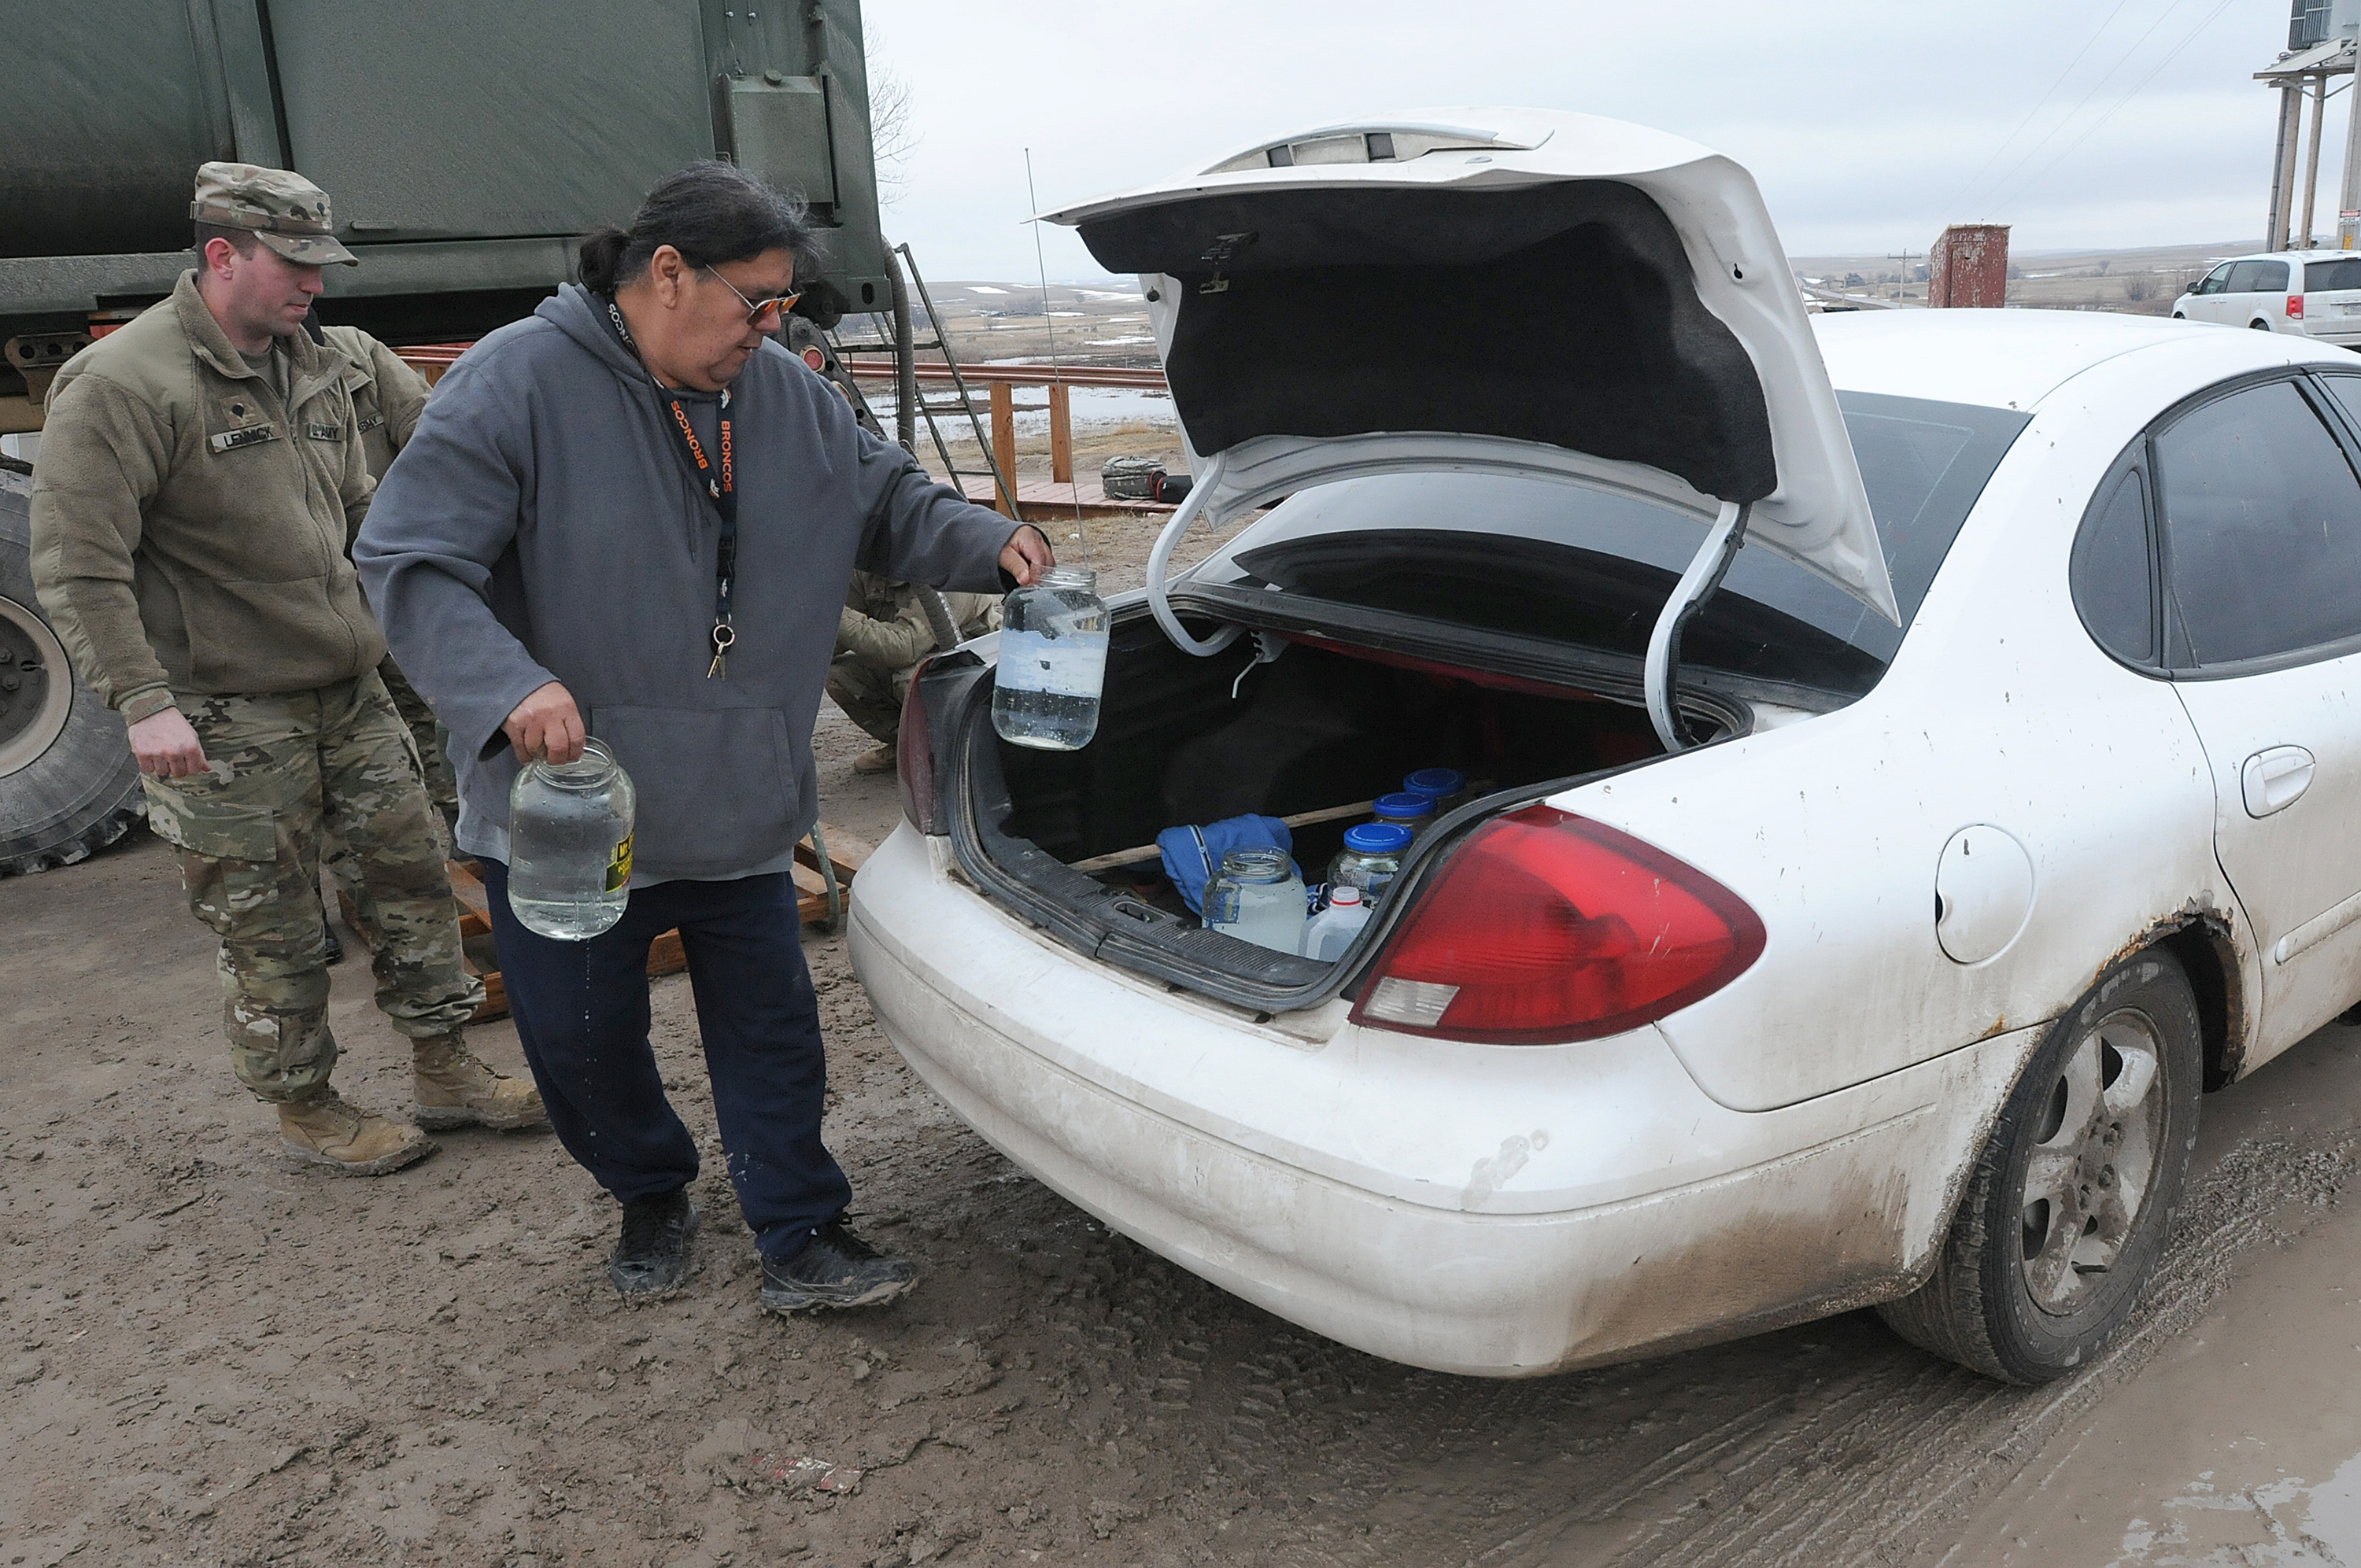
2111 577
2216 281
2270 277
2262 528
2348 392
2244 279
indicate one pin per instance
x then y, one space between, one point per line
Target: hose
939 617
906 368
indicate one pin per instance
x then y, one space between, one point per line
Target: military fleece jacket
189 527
387 395
543 523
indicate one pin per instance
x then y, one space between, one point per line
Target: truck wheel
2068 1207
67 785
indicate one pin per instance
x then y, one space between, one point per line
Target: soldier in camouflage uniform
388 396
200 474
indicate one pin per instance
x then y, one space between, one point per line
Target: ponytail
602 258
710 212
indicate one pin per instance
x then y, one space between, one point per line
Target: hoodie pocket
716 787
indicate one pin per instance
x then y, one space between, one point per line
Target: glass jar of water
1257 897
1053 653
570 844
1371 859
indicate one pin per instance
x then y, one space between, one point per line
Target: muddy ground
211 1358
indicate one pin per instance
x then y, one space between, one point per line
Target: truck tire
2068 1210
67 785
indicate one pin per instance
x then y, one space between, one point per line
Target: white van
2287 290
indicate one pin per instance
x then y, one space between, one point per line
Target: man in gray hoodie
634 515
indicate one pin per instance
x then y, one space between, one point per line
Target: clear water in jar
570 846
1257 897
1052 663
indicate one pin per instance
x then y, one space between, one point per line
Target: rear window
1540 559
2342 273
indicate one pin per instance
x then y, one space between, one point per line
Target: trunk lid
1520 290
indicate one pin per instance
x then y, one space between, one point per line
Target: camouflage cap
286 211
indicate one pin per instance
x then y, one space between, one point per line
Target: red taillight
2295 307
1546 927
914 757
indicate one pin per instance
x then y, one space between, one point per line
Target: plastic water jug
1257 897
1372 857
570 844
1053 653
1331 931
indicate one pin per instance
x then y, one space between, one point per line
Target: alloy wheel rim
36 692
2093 1162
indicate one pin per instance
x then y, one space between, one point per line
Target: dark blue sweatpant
581 1009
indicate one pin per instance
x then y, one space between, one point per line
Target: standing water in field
570 844
1053 653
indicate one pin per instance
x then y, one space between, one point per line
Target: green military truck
466 146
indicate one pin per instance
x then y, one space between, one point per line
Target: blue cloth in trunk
1191 855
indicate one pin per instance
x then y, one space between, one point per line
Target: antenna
1057 376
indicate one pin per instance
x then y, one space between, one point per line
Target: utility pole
2348 199
2312 159
2283 170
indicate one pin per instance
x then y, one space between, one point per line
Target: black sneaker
836 1268
651 1255
330 943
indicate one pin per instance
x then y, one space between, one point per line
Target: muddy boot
836 1268
456 1088
321 1129
876 760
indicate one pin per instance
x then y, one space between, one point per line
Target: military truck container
465 147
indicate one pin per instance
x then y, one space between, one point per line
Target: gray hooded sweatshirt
543 523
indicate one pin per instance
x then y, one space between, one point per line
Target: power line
2085 101
1960 197
2170 55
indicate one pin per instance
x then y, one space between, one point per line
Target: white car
2313 292
2005 797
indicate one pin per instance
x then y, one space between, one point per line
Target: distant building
1969 270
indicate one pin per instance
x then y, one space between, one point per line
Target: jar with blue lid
1448 787
1371 859
1403 809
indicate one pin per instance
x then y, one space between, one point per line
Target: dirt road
211 1358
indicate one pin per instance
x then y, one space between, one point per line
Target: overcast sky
2085 122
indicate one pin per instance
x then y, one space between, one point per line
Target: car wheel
2260 326
2180 316
2068 1206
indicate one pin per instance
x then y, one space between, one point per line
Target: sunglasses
776 307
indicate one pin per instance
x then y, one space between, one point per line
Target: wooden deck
1046 500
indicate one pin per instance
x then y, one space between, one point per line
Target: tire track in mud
1856 1473
1830 1443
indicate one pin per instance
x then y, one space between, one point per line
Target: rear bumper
1501 1211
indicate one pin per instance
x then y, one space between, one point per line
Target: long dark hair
710 212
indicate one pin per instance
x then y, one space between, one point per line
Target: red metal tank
1970 268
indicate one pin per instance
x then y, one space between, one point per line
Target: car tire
2260 326
68 782
2180 316
2046 1259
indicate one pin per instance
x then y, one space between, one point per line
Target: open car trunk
1068 838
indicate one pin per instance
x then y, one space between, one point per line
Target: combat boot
323 1129
457 1088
